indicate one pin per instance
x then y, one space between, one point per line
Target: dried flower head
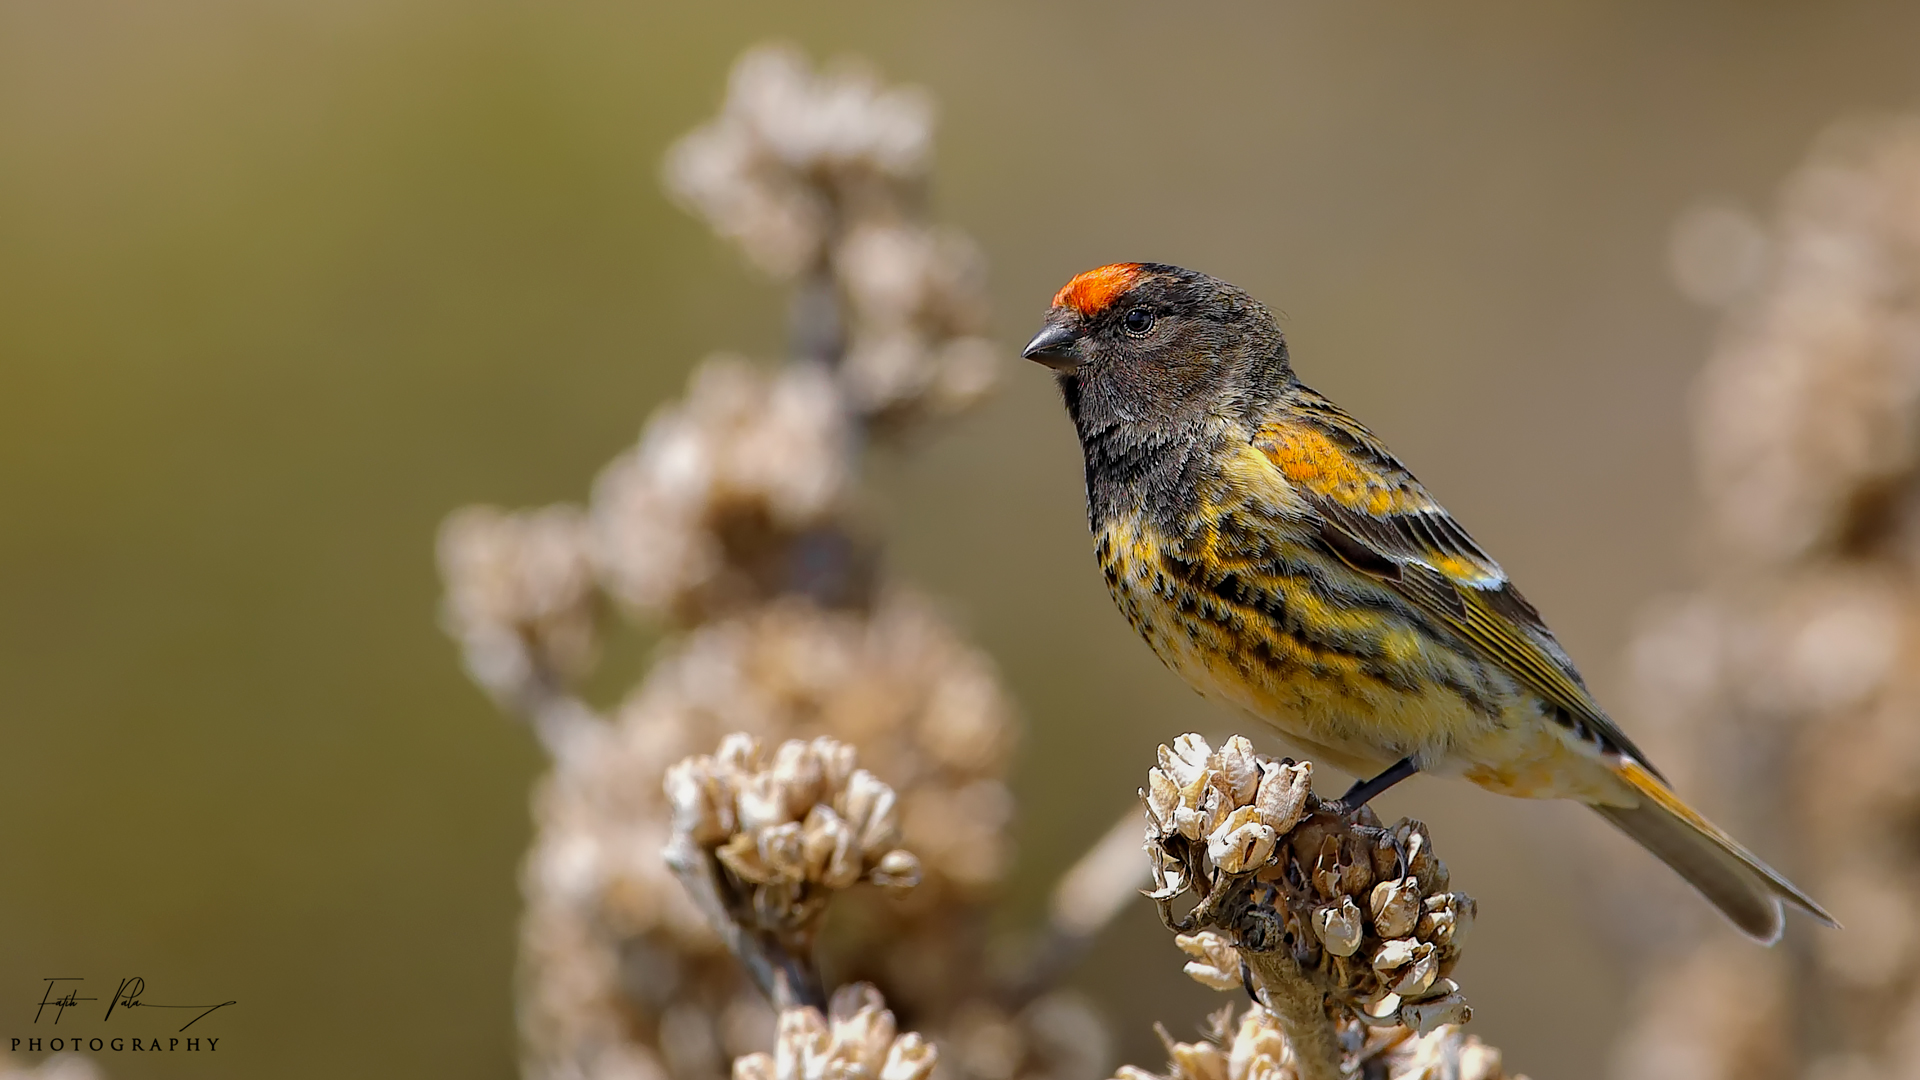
715 506
857 1039
521 596
1364 908
1215 963
1813 395
618 960
918 296
923 708
793 826
1255 1048
1445 1053
823 175
792 148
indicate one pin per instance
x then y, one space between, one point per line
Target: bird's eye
1138 321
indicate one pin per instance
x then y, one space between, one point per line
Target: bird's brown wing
1382 522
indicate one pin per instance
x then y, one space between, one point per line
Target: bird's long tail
1747 891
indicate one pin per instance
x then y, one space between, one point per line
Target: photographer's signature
64 993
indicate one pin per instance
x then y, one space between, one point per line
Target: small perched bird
1273 552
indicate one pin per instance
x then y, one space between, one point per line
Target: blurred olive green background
284 281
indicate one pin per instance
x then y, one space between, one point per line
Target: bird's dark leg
1363 791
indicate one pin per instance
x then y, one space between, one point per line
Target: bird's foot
1363 791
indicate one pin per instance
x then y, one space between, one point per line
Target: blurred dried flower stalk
733 524
1343 928
857 1037
823 177
1787 684
812 736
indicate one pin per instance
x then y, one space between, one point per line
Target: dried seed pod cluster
620 962
922 708
521 596
1365 908
857 1039
1446 1053
1230 805
823 174
793 827
1811 396
791 149
918 342
704 514
1254 1048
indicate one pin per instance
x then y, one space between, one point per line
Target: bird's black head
1152 343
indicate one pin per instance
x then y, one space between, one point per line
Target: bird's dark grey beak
1054 346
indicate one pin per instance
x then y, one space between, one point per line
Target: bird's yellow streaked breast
1257 615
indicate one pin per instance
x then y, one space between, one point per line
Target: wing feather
1381 521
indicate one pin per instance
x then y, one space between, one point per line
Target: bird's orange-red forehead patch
1091 292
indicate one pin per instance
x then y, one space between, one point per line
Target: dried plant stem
1287 991
562 722
1095 889
816 319
782 969
1301 1008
